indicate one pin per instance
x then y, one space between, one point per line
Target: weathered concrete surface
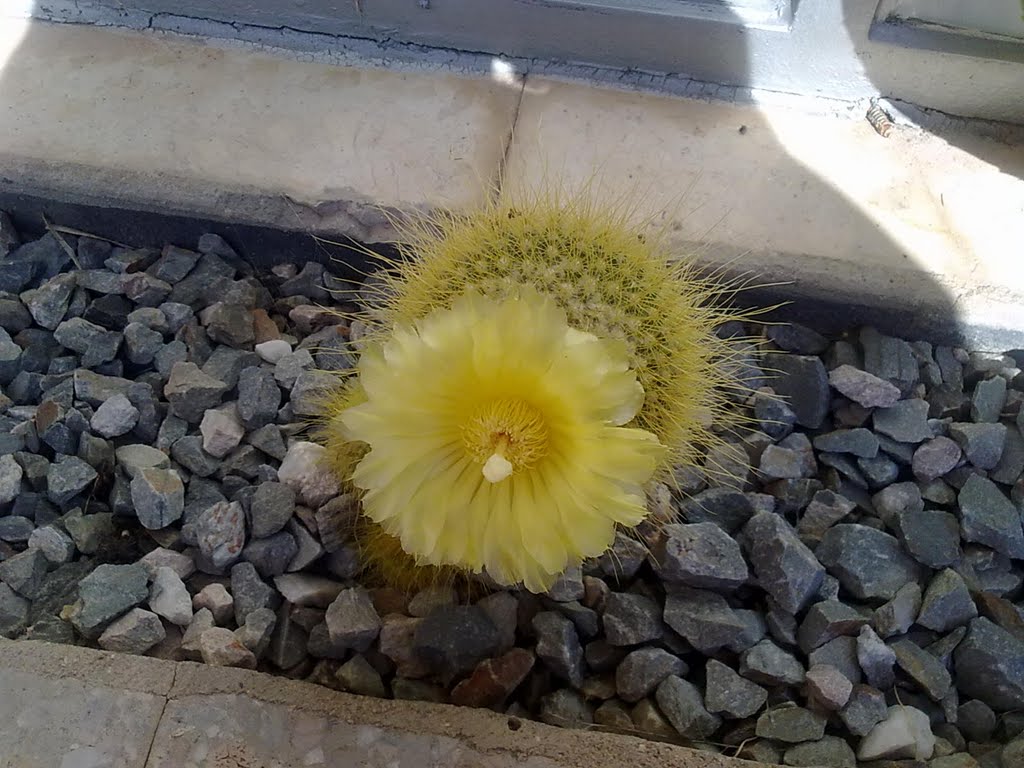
64 703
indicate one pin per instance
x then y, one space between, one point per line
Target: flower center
505 435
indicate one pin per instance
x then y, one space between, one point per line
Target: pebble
783 565
859 442
107 593
303 470
642 670
904 734
631 619
790 724
397 639
558 646
990 666
768 664
982 444
863 388
158 496
897 615
135 632
220 647
169 597
988 517
947 603
134 458
268 440
11 474
865 708
67 477
683 706
729 694
190 392
868 563
15 529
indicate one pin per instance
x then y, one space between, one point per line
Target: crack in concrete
156 728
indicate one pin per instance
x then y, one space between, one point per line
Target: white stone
905 733
273 350
180 563
307 590
222 430
169 597
10 478
304 471
217 600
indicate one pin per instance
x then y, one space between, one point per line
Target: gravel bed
852 595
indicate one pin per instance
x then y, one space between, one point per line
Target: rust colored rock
493 680
265 328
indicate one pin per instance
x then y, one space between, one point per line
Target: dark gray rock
271 555
15 529
726 508
990 666
250 592
947 603
896 616
775 418
731 695
863 388
1011 463
879 471
107 593
988 400
889 358
982 444
174 264
643 670
309 390
454 639
864 710
146 290
876 659
779 462
24 572
226 364
700 555
115 417
188 451
923 668
783 565
988 517
268 440
803 382
48 303
631 619
14 317
797 338
568 586
841 653
770 665
558 646
566 708
95 344
827 620
860 442
68 477
271 508
623 559
95 388
11 474
905 421
259 397
868 563
931 537
976 720
158 496
683 706
191 392
791 724
141 343
13 612
934 458
703 618
829 750
230 324
10 358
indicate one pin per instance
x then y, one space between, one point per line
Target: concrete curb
206 716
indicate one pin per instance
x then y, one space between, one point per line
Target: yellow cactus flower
497 441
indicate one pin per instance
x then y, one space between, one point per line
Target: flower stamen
506 435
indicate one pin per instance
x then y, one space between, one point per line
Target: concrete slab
80 708
176 126
914 221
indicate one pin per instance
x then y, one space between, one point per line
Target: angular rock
169 597
863 388
725 507
215 599
54 543
135 458
876 659
868 563
108 592
631 619
191 392
357 676
790 724
783 566
841 653
158 496
896 616
95 344
115 417
988 400
397 639
141 344
905 421
931 537
271 555
827 620
829 750
352 621
222 430
982 444
990 666
220 647
11 474
859 442
731 695
803 382
935 457
643 670
68 477
424 602
566 709
558 646
49 302
24 572
905 733
988 517
770 665
947 603
864 710
683 706
976 720
249 592
700 555
494 680
135 632
704 618
259 397
827 687
220 533
923 668
14 611
268 440
257 631
454 639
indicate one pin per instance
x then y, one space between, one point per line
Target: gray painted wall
829 51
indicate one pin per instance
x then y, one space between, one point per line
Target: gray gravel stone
271 555
841 653
783 566
803 382
308 392
827 620
1011 463
90 533
791 724
220 533
931 537
268 439
188 451
876 659
683 706
454 639
568 586
905 421
896 616
54 543
271 508
704 618
13 612
829 750
988 400
864 388
49 302
168 597
146 290
976 720
222 430
257 631
10 358
10 478
158 496
565 708
889 358
934 458
141 343
558 646
68 477
988 517
923 668
643 670
700 555
825 510
868 563
631 619
226 364
135 632
95 344
947 603
982 444
220 647
174 264
775 418
865 709
249 592
859 442
623 559
15 529
106 593
259 397
770 665
827 688
24 572
115 417
352 621
191 392
726 508
134 458
779 462
731 695
990 666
